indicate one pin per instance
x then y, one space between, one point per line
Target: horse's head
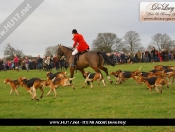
63 50
60 50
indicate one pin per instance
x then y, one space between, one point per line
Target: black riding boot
73 61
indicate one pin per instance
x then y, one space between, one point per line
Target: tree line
131 42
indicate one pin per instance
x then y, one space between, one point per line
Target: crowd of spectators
46 63
142 57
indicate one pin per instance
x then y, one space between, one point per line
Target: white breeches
75 51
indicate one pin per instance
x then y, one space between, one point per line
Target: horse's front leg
71 74
82 71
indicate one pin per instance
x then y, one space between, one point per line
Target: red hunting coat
80 43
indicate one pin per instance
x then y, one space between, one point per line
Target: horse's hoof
111 82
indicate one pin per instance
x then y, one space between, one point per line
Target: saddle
79 53
77 56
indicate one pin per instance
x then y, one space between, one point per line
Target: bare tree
149 47
51 50
132 41
162 41
141 48
19 53
105 41
119 46
173 44
10 51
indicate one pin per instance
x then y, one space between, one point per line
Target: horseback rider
80 45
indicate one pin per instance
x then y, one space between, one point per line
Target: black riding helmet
74 31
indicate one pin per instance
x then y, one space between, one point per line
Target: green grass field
127 100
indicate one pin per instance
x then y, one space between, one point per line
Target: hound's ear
59 44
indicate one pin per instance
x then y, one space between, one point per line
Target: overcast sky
52 22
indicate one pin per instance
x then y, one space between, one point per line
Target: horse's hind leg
106 71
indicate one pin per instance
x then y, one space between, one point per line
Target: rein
66 53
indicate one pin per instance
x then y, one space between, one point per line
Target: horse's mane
67 48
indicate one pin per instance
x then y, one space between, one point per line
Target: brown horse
91 58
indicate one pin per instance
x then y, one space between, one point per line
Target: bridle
67 58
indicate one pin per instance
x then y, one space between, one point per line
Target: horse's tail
106 58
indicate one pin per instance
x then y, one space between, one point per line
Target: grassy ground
127 100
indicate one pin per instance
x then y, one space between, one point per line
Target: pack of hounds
159 76
54 80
